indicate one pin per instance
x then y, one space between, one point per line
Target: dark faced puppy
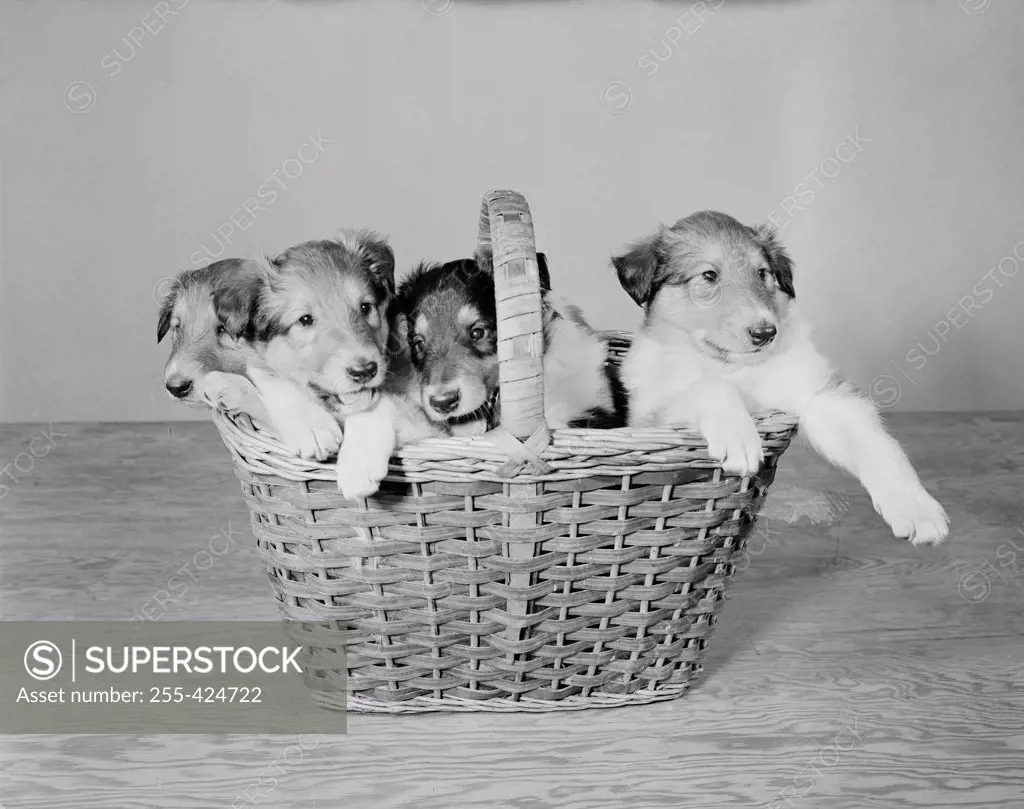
321 316
448 315
202 312
448 312
450 321
726 285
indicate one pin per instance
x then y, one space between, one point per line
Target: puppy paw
360 472
310 433
214 388
733 440
230 391
913 514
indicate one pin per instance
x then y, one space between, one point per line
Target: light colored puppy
321 323
207 364
722 337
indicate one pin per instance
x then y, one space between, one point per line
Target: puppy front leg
717 409
232 392
304 426
370 439
848 431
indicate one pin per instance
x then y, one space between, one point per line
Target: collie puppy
722 337
209 313
447 313
206 364
320 321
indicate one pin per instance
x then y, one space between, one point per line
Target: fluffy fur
206 363
319 321
722 337
447 314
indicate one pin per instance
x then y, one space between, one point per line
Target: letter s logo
43 660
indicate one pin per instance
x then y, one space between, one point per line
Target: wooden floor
849 668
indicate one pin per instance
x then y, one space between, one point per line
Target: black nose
363 372
178 387
762 335
445 402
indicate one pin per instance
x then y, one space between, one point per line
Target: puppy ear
163 321
381 262
236 298
264 323
638 267
484 257
778 258
375 250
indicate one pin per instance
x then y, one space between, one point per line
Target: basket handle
507 229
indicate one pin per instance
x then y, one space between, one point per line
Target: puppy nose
762 335
445 402
178 387
363 372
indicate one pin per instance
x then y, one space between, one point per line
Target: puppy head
726 286
449 314
322 313
205 312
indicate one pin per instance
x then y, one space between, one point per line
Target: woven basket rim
574 453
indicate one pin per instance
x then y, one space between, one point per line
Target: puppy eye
306 320
221 331
366 309
477 333
710 276
767 276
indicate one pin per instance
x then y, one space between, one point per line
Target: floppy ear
484 257
778 258
236 298
381 261
163 322
375 251
638 267
264 324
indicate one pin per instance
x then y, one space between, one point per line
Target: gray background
610 117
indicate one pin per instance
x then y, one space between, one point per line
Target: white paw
733 440
914 514
230 391
310 433
360 470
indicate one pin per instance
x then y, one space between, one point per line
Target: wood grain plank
849 669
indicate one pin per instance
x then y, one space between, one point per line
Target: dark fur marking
638 267
234 285
777 257
163 322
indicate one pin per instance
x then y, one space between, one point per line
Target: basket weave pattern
456 587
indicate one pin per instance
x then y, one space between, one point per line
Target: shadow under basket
596 583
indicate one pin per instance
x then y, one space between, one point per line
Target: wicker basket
565 570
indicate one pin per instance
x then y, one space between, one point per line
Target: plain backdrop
134 131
